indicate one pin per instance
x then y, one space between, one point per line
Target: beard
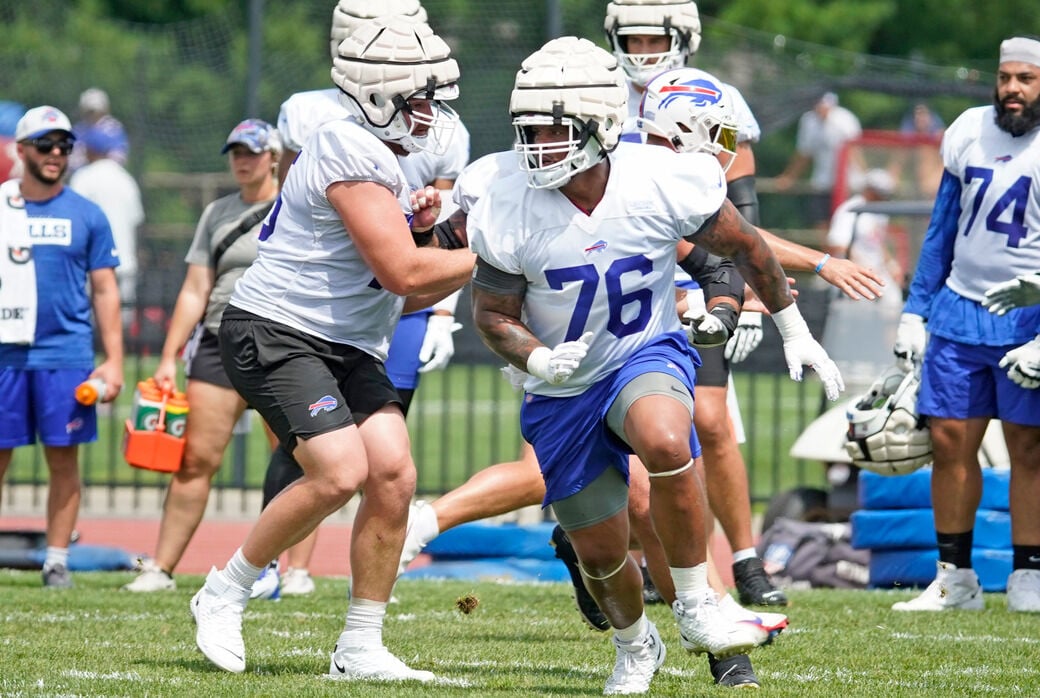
33 168
1017 124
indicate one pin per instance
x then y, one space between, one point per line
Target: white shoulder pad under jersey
999 228
609 272
475 180
304 112
308 274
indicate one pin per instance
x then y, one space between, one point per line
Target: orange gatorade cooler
154 433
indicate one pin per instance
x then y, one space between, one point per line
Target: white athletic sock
240 572
745 554
365 621
425 524
56 556
691 583
633 632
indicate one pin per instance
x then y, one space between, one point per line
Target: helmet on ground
886 434
349 13
384 64
676 19
692 110
569 82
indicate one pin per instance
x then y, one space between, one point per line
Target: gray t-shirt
219 220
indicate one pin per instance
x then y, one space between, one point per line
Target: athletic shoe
267 586
151 578
734 672
704 628
57 577
217 609
772 623
373 663
1023 591
297 582
636 664
952 588
650 593
753 585
587 606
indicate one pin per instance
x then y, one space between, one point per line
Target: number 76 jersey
998 230
610 272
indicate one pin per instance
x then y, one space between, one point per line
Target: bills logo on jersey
699 91
598 246
1003 158
326 403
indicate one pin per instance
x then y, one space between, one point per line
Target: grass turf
521 640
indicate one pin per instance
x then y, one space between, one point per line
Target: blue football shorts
43 401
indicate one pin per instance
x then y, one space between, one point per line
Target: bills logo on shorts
74 425
326 404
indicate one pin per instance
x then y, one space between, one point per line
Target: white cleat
372 663
297 582
704 628
150 579
772 623
951 589
1023 591
217 609
636 664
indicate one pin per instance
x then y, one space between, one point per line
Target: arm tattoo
497 319
729 235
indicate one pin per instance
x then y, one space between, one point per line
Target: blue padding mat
516 569
915 528
483 540
914 491
909 568
82 558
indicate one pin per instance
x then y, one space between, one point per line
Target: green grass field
463 419
522 640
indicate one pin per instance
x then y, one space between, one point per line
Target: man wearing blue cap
57 241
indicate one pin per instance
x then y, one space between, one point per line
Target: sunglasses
44 146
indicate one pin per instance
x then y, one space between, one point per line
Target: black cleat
650 593
587 606
735 671
753 585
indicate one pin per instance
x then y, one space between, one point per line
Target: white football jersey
473 182
610 272
748 129
304 112
999 225
308 274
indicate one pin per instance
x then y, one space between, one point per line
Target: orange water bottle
91 391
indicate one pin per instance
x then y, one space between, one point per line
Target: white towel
17 269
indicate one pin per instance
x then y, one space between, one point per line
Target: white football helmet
387 61
886 435
677 19
568 82
349 13
692 110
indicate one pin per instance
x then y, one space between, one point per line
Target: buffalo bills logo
1002 158
19 255
701 92
74 426
597 246
326 404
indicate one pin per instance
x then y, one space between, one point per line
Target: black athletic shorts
302 385
204 363
714 368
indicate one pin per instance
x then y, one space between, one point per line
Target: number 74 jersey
998 230
610 272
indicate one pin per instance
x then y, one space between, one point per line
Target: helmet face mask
676 19
550 165
691 110
886 435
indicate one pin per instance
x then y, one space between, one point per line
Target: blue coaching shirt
71 237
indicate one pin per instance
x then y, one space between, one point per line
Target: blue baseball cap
255 134
103 138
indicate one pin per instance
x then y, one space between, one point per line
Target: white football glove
1023 364
704 329
515 376
746 337
910 340
801 349
437 346
1020 291
559 363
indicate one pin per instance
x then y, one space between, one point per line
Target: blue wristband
822 262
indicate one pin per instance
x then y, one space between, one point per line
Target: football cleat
951 589
703 628
217 609
587 606
636 664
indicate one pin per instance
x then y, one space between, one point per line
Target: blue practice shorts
402 360
43 401
570 434
960 381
